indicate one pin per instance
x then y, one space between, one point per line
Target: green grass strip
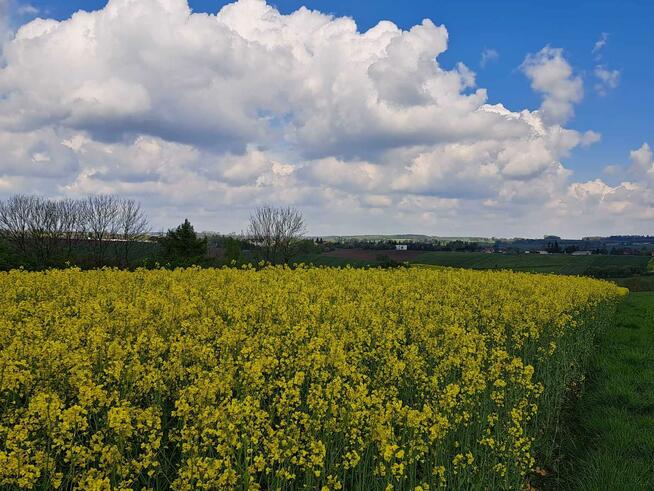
611 441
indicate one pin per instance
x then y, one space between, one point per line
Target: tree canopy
183 242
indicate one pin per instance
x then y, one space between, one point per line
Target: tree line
48 232
107 230
412 245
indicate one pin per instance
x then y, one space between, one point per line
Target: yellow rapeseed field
311 378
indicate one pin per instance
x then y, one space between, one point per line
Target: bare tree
73 223
276 231
261 231
35 226
44 230
45 226
132 224
101 213
15 221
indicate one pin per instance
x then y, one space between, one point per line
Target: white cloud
600 44
606 79
208 115
11 13
5 23
27 10
628 206
612 170
642 162
551 74
629 200
487 56
590 137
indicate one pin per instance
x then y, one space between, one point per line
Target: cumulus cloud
208 115
631 200
629 204
12 13
642 162
551 75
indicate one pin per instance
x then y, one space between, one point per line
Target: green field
596 265
633 272
611 441
640 283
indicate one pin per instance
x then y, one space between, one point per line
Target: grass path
611 445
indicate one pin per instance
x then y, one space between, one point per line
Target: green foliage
308 246
81 254
637 283
384 261
182 244
7 257
232 250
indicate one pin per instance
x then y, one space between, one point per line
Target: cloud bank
207 116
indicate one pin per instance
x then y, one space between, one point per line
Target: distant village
628 245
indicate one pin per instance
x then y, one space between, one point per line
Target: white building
401 247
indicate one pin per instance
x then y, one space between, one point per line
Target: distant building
543 252
401 247
582 253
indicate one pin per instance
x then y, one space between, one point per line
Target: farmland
308 378
604 266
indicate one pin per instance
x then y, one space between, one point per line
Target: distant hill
402 237
615 245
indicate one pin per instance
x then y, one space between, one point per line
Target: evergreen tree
232 249
183 243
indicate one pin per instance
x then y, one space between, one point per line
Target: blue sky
556 34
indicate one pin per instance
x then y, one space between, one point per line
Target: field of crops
598 265
287 379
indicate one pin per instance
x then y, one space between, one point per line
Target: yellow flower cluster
311 378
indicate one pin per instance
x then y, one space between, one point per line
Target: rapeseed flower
279 378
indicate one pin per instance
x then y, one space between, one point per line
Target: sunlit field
311 378
613 421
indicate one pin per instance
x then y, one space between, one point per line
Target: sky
450 118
